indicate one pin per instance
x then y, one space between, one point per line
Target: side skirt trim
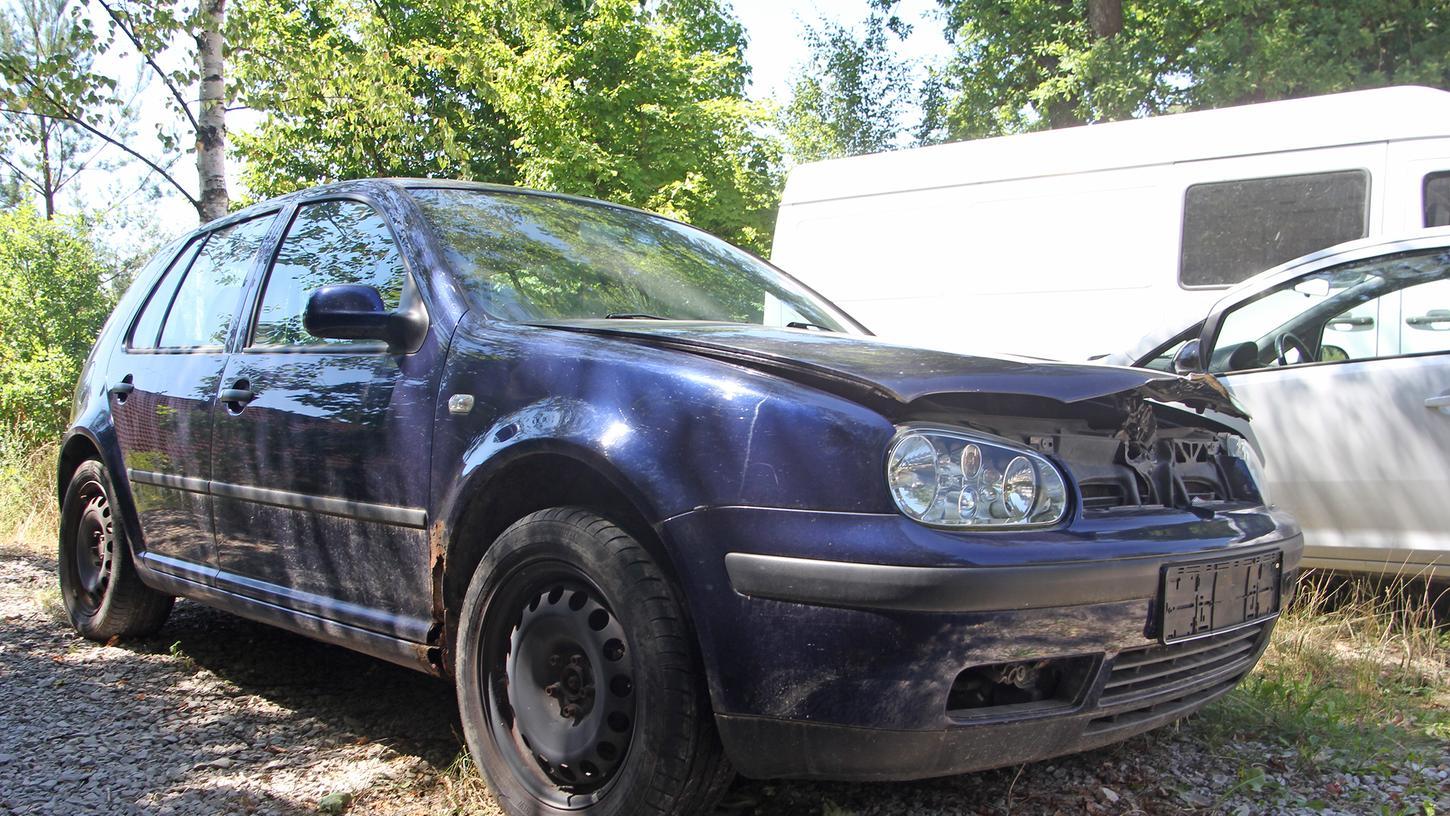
326 505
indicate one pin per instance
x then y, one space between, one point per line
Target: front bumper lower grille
1146 683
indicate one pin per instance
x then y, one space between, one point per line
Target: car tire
578 681
102 593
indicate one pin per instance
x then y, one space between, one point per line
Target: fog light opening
1049 683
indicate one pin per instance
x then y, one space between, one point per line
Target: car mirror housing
1188 359
356 312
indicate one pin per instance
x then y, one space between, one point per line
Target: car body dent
874 371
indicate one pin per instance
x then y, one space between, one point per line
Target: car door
163 394
321 472
1353 432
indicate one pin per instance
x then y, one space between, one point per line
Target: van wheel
102 592
578 682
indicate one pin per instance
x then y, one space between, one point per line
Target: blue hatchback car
659 511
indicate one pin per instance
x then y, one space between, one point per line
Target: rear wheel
102 592
577 678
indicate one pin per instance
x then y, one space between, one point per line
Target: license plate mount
1207 597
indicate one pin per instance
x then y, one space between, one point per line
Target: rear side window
201 313
1437 200
148 325
1233 230
329 242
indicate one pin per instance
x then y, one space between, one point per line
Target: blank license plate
1201 599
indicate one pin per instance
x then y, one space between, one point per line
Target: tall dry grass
28 511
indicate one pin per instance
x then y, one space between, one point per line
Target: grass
28 511
1356 680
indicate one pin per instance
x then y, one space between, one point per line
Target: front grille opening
1158 670
1103 495
1157 711
1202 490
1002 688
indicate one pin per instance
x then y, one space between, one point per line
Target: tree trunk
1105 18
211 131
47 175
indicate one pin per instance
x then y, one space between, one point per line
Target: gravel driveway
221 715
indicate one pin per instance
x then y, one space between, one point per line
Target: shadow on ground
408 711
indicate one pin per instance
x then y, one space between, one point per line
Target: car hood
868 368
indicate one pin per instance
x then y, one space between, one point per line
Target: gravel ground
221 715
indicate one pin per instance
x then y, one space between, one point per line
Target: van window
201 313
1235 229
1437 199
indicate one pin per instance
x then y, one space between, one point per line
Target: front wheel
103 595
577 679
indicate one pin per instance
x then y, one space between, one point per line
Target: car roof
376 186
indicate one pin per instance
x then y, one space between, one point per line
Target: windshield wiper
633 316
801 324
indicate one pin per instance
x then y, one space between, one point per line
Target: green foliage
42 153
642 104
52 305
1028 64
849 96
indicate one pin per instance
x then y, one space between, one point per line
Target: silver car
1342 358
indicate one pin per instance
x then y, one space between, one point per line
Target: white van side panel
1067 243
1410 162
1006 266
1060 266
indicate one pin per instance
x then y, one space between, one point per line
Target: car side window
201 313
148 325
1382 307
1425 316
330 242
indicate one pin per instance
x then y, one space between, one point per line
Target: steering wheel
1286 341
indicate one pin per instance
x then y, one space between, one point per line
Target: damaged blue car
662 513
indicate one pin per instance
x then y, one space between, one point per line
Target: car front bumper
836 643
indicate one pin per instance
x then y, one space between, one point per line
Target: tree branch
65 113
165 78
24 176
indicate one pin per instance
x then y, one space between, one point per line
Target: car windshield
529 257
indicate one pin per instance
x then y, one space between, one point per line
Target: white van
1074 242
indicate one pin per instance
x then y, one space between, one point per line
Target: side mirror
1188 360
356 312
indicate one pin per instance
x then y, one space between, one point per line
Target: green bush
53 302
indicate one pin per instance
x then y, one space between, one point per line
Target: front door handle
1441 403
123 389
237 397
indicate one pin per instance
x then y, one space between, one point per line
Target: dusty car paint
351 502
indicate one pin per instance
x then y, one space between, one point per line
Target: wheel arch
526 479
77 448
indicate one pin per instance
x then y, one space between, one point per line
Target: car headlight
959 479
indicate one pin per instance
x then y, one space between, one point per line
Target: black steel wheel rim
93 550
558 678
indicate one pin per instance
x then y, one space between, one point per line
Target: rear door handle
1434 320
1441 402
